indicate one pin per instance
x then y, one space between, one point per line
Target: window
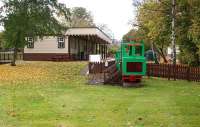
134 67
61 42
138 50
30 43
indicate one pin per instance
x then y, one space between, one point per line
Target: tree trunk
198 59
163 56
14 57
196 62
154 55
173 32
161 53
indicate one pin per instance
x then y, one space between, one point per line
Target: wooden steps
112 75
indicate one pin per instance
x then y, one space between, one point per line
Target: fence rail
6 57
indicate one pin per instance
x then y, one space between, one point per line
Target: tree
153 22
138 35
79 17
1 40
105 29
113 48
155 18
133 33
186 22
22 18
194 30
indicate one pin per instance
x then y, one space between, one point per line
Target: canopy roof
90 32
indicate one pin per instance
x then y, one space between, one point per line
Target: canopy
91 32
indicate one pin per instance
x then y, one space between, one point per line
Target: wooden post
148 69
102 51
169 72
86 46
198 74
103 46
89 67
99 49
69 40
79 55
188 73
106 51
174 71
96 47
104 78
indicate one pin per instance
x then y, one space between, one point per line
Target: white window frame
61 42
30 42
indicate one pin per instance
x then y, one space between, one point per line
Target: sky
1 28
116 14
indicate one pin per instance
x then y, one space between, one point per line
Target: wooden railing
174 72
112 75
6 57
103 72
168 71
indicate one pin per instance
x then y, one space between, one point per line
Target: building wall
45 56
47 49
169 50
47 45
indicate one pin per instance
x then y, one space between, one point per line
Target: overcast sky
0 25
116 14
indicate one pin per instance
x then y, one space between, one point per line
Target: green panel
124 66
129 53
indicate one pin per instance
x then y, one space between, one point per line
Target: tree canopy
1 40
106 30
154 23
22 18
79 17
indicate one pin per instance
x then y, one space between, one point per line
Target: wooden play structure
128 67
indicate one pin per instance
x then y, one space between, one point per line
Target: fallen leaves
21 73
40 72
12 113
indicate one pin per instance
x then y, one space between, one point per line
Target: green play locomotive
130 61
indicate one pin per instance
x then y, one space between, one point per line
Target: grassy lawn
50 94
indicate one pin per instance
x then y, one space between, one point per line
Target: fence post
188 73
174 71
104 77
169 72
89 67
198 74
148 70
4 56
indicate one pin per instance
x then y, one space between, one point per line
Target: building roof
89 31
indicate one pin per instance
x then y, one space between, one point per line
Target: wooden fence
6 57
174 72
168 71
103 72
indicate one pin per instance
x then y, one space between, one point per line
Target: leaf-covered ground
50 94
